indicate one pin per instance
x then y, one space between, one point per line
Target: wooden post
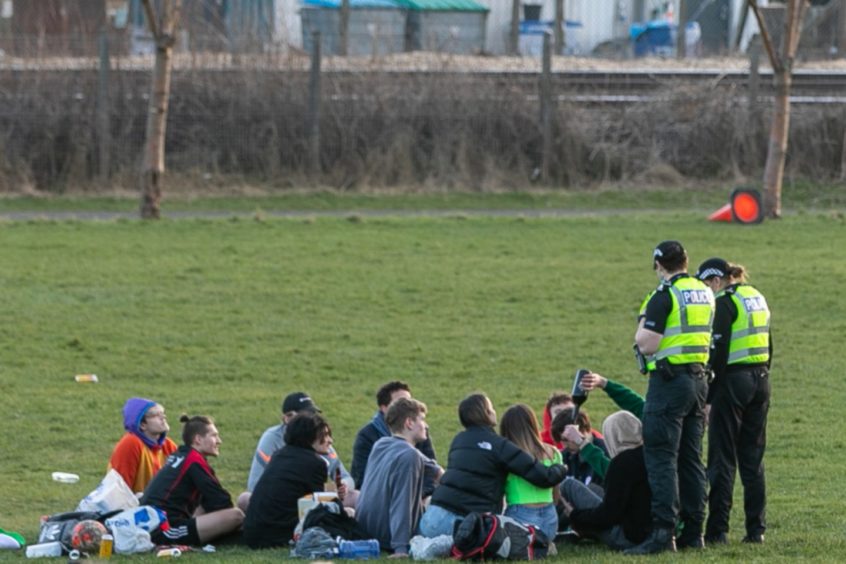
559 27
103 108
841 29
546 108
754 75
314 106
514 31
681 47
344 31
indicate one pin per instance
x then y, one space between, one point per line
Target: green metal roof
442 5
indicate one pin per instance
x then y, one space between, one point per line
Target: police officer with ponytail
739 399
673 337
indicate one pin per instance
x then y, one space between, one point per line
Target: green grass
224 317
797 196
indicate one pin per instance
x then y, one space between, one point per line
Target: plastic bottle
86 378
359 549
107 543
169 553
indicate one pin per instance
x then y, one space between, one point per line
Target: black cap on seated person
712 267
299 401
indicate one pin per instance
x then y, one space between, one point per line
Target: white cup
65 477
45 549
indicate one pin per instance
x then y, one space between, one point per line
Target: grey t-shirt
272 440
390 503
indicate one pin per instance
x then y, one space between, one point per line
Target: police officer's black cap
668 252
299 401
712 267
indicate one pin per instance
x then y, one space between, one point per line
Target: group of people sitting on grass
564 476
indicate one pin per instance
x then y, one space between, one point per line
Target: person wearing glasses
140 453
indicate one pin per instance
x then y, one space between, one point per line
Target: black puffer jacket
479 462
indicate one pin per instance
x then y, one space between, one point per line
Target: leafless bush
388 129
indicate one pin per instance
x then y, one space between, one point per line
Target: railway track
579 86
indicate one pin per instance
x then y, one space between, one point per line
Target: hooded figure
141 452
622 431
622 518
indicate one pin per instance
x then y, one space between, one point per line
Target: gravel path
111 216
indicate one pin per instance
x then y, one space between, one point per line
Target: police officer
739 399
674 335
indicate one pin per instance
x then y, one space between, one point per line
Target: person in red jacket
557 402
140 453
198 508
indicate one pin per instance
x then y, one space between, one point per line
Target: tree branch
177 13
799 17
775 60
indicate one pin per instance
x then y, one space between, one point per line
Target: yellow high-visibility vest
750 332
687 333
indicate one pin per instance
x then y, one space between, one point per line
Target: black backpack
486 536
331 517
59 526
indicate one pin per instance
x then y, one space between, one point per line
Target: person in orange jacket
140 453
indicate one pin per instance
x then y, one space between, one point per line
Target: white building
593 22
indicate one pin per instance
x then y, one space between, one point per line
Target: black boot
716 538
690 541
661 540
690 537
755 538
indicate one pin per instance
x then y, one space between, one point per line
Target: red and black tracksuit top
185 482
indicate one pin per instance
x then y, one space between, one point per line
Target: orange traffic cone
722 214
744 207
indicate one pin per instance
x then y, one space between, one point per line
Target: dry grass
231 131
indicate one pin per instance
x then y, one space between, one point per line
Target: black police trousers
737 437
673 426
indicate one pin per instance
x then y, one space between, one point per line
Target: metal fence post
103 109
546 107
314 105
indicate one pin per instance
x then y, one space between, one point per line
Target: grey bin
447 31
372 31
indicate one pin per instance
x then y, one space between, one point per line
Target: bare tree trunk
164 33
783 77
777 146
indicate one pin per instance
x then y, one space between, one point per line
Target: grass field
224 317
798 196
